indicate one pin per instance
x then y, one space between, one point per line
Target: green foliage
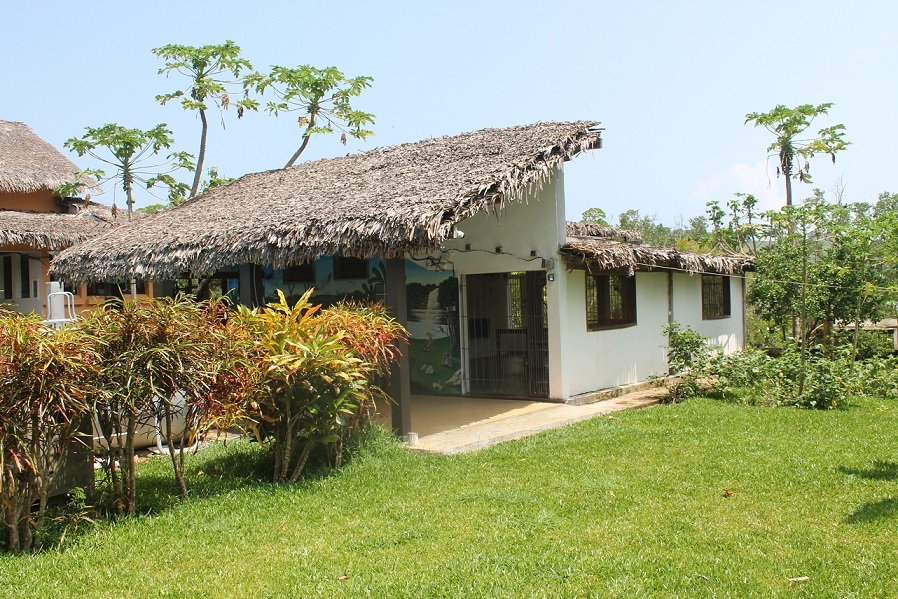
877 376
46 388
127 151
316 373
737 230
819 264
215 179
168 359
685 347
687 355
870 343
653 232
322 97
793 153
594 215
689 237
213 72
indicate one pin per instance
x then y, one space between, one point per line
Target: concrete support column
400 387
556 308
557 284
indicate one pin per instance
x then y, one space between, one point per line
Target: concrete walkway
523 418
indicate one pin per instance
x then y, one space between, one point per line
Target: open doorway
506 342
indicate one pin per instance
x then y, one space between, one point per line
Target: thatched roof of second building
28 163
55 230
380 203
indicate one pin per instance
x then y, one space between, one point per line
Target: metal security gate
505 338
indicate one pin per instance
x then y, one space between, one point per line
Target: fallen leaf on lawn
727 493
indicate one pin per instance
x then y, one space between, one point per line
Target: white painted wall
529 234
728 333
519 229
609 358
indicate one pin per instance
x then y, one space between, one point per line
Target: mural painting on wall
433 324
360 280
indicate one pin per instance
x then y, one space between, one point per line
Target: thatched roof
381 203
28 163
596 254
602 231
54 230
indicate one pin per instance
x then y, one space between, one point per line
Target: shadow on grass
873 512
881 470
238 464
214 470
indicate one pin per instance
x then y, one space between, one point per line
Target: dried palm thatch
29 164
381 203
602 231
53 230
608 255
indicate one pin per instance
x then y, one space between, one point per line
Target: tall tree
131 153
214 72
653 232
792 151
594 215
322 97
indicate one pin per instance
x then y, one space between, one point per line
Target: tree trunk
177 464
201 157
804 312
786 166
305 142
128 469
303 458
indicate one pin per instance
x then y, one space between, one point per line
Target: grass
701 499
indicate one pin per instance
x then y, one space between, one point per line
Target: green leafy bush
46 388
877 377
317 370
688 354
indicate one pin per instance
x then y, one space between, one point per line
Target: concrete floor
449 425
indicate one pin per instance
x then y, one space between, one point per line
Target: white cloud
759 180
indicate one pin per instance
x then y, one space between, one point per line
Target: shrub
317 370
45 391
877 377
160 359
688 353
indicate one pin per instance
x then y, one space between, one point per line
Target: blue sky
671 82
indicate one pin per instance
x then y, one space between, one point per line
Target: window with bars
350 268
715 297
610 301
300 273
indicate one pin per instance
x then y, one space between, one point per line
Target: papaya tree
322 97
214 74
793 151
134 156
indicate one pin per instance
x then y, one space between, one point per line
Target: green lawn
701 499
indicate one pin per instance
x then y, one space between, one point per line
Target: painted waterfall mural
433 322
